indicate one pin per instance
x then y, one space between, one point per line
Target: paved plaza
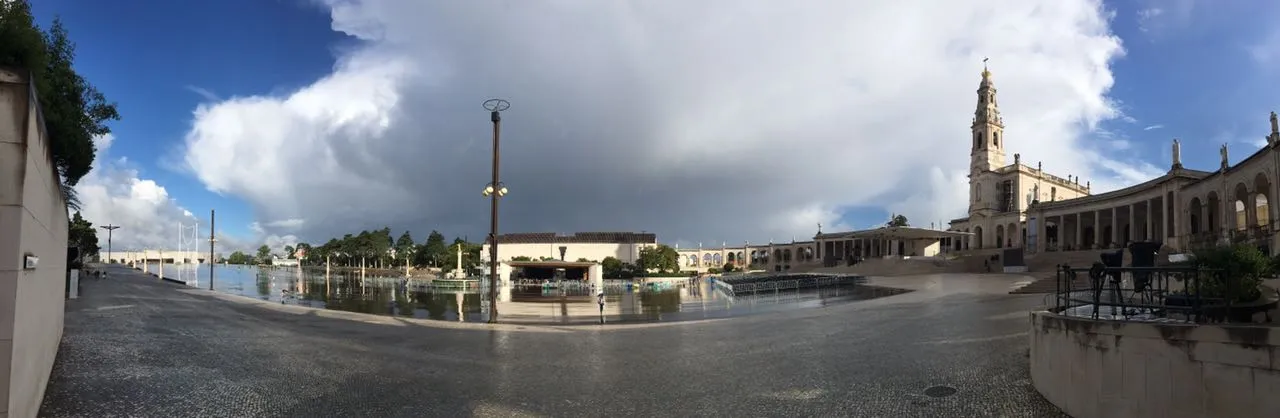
136 346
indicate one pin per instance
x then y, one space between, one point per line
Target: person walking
600 300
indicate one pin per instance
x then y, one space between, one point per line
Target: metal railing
1171 293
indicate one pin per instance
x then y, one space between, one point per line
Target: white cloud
112 193
206 94
1152 127
1161 17
701 121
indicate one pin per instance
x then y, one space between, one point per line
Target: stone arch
1239 197
740 259
1262 199
976 238
1195 218
786 255
777 255
732 257
999 236
717 260
706 259
693 260
1213 212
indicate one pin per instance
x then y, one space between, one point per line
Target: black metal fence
1173 293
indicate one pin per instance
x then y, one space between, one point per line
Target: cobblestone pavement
135 346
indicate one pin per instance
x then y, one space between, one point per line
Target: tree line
375 249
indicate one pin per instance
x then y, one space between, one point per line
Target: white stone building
594 246
1018 206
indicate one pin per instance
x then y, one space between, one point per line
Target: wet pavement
136 346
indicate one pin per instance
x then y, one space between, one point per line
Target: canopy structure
552 264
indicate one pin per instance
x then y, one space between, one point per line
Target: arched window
1053 194
995 140
977 140
977 192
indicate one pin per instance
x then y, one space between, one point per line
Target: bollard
73 290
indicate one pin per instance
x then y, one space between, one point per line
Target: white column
596 274
1129 223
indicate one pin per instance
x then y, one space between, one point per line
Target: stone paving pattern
136 346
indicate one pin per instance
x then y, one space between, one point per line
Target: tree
239 257
434 251
897 220
662 258
74 111
612 268
288 252
405 247
521 258
81 234
264 254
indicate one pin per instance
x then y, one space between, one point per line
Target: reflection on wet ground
393 296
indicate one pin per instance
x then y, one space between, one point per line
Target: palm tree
70 196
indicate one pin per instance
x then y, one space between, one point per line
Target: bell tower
987 130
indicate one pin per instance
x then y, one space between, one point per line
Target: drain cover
940 391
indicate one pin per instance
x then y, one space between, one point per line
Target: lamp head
488 190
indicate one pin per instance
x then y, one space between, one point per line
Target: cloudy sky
706 121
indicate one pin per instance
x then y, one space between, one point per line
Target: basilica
1021 206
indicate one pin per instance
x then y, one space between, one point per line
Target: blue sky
1190 71
154 57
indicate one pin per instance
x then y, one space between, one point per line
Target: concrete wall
1138 369
33 218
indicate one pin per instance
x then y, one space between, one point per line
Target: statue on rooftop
1177 153
1223 151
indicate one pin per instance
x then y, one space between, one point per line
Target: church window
995 139
977 140
977 192
1053 194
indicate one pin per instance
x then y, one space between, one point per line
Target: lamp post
493 191
110 228
212 240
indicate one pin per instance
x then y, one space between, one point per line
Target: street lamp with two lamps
493 191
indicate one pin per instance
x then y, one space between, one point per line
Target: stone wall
1094 368
33 221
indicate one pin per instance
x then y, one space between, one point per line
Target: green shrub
1237 270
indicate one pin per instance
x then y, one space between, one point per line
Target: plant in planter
1229 287
1240 269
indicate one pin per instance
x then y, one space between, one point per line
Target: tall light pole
211 241
110 228
493 191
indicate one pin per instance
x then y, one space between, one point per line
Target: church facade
1020 206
